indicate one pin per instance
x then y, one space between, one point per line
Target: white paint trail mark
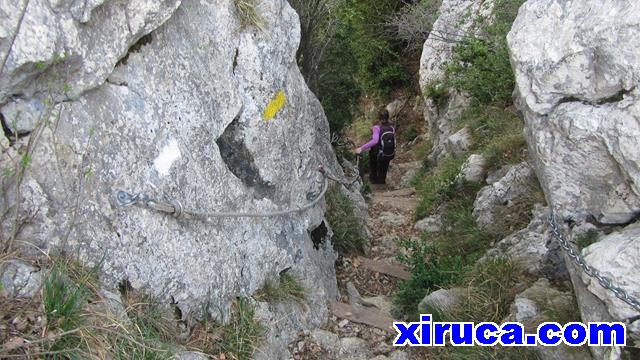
169 154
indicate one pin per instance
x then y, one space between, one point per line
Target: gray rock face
516 183
615 256
457 18
60 49
527 246
19 279
576 70
181 118
534 306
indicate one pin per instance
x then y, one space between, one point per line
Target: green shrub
586 239
481 65
430 270
437 92
437 186
462 236
496 133
492 290
347 232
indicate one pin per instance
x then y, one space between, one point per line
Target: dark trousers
378 166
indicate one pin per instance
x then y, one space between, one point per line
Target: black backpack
387 142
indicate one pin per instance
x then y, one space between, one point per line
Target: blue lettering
425 329
574 334
406 334
600 334
486 334
512 334
531 340
550 333
462 334
441 330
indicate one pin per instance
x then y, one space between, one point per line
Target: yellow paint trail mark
274 106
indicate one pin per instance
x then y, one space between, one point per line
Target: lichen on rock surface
577 68
153 121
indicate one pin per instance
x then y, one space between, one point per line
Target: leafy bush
481 65
430 270
437 92
347 233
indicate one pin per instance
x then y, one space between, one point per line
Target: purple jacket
375 137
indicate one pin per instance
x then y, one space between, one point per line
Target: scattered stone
398 355
528 246
443 301
189 355
474 169
431 224
343 323
542 303
460 142
519 183
392 219
20 279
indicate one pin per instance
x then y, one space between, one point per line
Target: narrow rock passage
360 326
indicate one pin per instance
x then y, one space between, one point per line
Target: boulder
474 169
542 303
615 256
528 247
516 185
577 71
443 301
20 279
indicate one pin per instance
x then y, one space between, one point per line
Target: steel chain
604 281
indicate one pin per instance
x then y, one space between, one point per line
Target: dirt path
367 282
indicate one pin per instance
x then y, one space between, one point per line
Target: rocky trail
360 323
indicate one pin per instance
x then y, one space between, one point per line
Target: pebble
343 323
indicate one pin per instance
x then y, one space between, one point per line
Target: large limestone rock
542 303
179 117
456 19
616 257
516 186
577 69
60 49
528 247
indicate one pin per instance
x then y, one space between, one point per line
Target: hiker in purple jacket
381 148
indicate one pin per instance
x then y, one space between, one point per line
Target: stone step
395 270
363 315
